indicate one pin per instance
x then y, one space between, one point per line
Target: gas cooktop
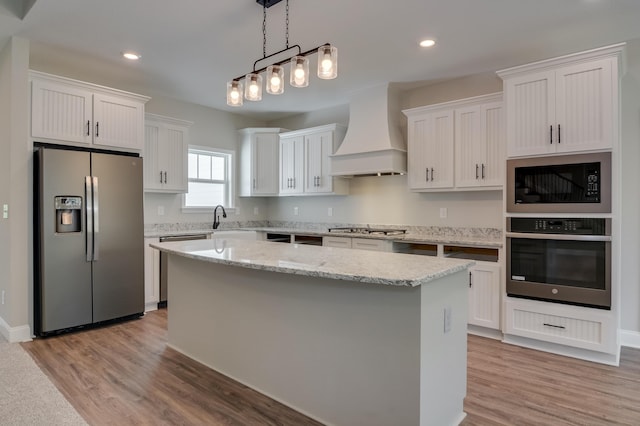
368 230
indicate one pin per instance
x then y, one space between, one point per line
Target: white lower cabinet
585 328
151 275
484 295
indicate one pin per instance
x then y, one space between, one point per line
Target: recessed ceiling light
131 56
427 43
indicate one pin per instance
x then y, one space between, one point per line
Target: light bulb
298 75
235 95
275 83
327 64
253 88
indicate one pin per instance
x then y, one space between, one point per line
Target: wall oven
576 183
560 260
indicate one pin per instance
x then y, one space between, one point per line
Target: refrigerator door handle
88 196
96 219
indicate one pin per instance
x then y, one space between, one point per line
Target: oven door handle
564 237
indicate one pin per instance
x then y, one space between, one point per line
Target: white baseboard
21 333
630 338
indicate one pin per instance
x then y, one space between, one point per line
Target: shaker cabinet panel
259 162
73 112
61 112
567 104
484 295
457 145
165 151
291 165
118 122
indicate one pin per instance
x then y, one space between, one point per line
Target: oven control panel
576 226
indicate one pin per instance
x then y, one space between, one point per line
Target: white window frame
229 203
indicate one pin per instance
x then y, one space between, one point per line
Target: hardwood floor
126 374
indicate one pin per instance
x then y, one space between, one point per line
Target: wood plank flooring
126 374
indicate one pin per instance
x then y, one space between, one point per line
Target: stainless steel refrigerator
88 238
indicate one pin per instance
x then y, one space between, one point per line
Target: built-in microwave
575 183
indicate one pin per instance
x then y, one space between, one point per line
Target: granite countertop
409 237
315 261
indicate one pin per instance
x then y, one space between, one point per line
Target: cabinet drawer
342 242
580 327
370 244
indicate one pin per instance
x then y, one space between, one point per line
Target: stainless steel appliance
88 238
368 230
164 286
576 183
560 260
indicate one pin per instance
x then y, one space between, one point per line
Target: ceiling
191 48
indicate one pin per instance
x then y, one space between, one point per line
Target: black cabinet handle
88 127
551 134
558 133
97 129
469 279
160 177
483 171
426 174
554 326
432 173
476 171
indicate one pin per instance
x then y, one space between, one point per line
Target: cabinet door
440 149
153 173
264 158
61 112
531 114
173 158
492 131
584 114
291 163
151 275
484 295
470 149
118 122
317 148
417 147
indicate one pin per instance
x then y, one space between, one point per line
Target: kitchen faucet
216 218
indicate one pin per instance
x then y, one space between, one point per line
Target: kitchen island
346 336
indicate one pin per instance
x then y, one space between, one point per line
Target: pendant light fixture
275 73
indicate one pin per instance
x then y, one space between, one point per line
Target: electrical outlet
443 212
5 211
447 319
295 211
3 297
160 210
255 211
330 211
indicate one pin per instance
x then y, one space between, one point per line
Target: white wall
630 155
15 172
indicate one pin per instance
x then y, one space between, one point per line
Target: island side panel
339 351
443 385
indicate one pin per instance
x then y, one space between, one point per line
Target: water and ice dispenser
68 214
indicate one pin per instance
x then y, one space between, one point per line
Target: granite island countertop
315 261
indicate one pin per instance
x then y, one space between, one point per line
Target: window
210 178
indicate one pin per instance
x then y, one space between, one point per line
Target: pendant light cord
264 29
287 26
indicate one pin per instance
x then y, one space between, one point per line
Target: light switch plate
443 212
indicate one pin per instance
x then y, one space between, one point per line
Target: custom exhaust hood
373 144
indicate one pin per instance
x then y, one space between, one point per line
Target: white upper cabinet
456 145
291 165
259 162
567 104
166 151
305 167
77 113
479 145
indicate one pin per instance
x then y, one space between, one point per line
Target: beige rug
27 397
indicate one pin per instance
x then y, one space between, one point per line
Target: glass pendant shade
299 76
275 79
234 93
327 62
253 88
